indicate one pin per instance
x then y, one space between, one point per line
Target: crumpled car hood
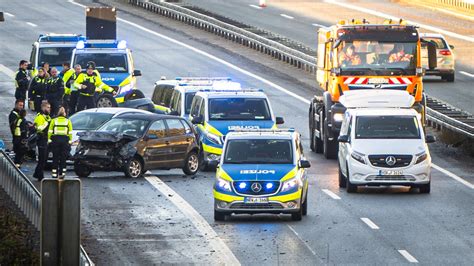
104 136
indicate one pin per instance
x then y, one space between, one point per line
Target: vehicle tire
297 216
350 188
135 94
133 168
191 163
203 166
219 216
106 100
304 206
425 189
449 78
82 171
330 146
342 178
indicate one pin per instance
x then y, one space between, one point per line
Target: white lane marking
408 256
331 194
304 242
369 223
286 16
467 74
32 24
384 15
8 14
318 25
453 176
148 239
256 7
230 65
222 250
7 71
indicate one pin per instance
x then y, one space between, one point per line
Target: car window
195 106
439 42
105 62
387 127
239 109
202 110
176 102
186 127
89 120
165 99
175 127
127 126
259 151
55 56
158 128
189 100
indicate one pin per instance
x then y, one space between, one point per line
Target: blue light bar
61 38
104 44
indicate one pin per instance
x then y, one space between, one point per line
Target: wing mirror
343 138
197 120
304 164
136 73
151 136
430 139
451 46
280 120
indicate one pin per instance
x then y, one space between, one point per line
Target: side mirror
304 164
430 139
197 120
343 138
280 120
451 46
151 136
136 73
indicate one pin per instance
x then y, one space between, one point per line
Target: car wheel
133 168
191 164
106 100
342 178
135 94
82 171
297 216
219 216
425 189
304 206
350 188
203 166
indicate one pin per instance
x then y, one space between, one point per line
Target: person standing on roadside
55 90
15 114
41 124
20 138
60 139
21 81
88 84
69 78
38 89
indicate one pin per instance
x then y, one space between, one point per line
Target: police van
216 112
175 96
114 62
262 171
54 49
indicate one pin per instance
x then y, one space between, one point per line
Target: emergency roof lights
54 37
263 130
82 44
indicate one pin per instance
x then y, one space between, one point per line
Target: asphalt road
168 218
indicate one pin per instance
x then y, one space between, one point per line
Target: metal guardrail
441 118
459 4
25 195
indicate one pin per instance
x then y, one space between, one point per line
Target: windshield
239 109
89 120
189 101
259 151
55 56
387 127
105 63
438 42
377 58
127 126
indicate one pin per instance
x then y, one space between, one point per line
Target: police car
382 142
216 112
262 171
176 95
114 62
54 49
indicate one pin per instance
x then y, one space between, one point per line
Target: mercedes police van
262 171
216 112
114 62
383 144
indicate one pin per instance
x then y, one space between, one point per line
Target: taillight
445 52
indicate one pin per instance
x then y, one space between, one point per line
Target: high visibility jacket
55 88
93 82
60 126
38 87
21 128
12 118
68 79
41 123
21 80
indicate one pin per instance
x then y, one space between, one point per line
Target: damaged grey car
135 143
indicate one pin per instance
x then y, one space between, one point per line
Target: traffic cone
263 3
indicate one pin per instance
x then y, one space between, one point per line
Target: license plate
391 172
96 152
378 81
256 200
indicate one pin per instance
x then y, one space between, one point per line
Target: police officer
55 90
21 81
38 89
87 84
15 114
70 90
20 138
59 139
41 124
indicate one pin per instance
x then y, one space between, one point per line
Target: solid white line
369 223
7 71
331 194
8 14
384 15
286 16
453 176
32 24
304 242
256 7
318 25
467 74
407 256
222 250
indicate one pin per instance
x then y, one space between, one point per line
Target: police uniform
93 84
70 92
20 138
21 84
12 118
59 138
41 122
55 93
37 92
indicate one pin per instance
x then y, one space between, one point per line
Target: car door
177 139
157 149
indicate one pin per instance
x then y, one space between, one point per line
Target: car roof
148 117
262 134
382 111
234 93
100 50
432 35
190 85
114 110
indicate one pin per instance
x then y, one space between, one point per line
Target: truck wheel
106 100
330 146
135 94
316 143
81 171
448 78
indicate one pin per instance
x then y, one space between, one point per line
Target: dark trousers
73 102
42 144
19 148
61 149
38 101
55 104
20 94
85 102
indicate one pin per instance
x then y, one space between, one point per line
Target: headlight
214 138
290 184
420 157
338 117
125 88
223 184
358 157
